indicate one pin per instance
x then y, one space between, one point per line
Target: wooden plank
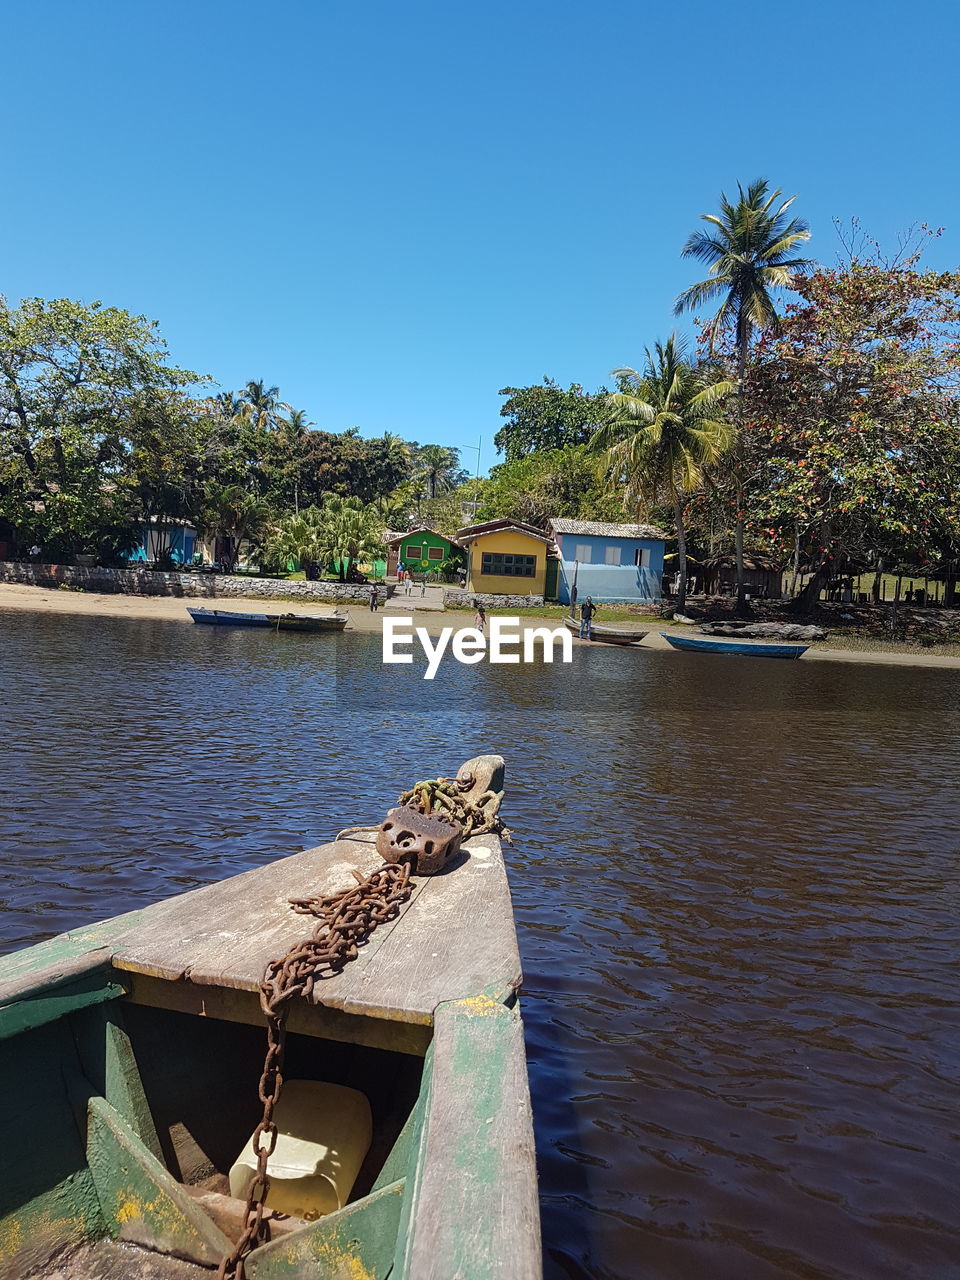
109 1064
140 1201
231 1005
33 969
88 980
471 1210
225 933
454 937
355 1243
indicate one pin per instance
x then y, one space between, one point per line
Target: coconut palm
661 433
748 252
437 466
260 403
294 428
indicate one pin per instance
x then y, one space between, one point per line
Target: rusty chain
447 796
345 922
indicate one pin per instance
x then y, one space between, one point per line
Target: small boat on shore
227 618
744 648
312 621
132 1049
608 634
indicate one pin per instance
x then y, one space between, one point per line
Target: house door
550 584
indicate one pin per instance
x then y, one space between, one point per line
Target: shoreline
15 597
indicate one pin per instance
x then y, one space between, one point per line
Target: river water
736 887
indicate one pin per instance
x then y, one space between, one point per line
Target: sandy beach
174 609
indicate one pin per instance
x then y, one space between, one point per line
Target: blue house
178 538
612 562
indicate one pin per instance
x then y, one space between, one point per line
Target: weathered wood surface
472 1209
140 1200
453 938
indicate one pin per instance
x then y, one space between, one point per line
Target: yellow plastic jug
324 1133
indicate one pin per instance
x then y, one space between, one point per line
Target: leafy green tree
544 417
70 374
302 537
748 249
661 433
567 482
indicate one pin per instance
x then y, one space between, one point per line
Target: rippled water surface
736 886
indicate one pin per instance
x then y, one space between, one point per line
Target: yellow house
505 557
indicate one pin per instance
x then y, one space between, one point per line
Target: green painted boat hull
114 1108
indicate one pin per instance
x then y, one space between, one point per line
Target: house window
641 557
611 555
435 553
508 566
581 552
413 552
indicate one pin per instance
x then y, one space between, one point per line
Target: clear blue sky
392 209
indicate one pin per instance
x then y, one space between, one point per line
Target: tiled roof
596 529
472 531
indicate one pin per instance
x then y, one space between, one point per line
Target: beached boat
226 618
746 648
608 634
312 621
131 1052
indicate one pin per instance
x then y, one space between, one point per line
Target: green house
421 551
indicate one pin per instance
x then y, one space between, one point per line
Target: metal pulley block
427 841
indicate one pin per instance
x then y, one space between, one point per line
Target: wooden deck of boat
455 936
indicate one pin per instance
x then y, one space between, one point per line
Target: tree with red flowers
852 409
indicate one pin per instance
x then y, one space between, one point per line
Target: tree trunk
738 556
877 581
681 553
796 558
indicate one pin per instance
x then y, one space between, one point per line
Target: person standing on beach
587 610
373 598
480 618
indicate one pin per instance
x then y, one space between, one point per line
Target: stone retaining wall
456 598
212 586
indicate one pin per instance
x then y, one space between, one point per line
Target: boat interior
128 1119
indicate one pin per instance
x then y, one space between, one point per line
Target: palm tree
295 427
259 404
299 537
748 251
352 532
661 433
437 466
230 512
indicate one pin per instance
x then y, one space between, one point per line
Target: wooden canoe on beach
130 1055
229 618
744 648
606 633
315 622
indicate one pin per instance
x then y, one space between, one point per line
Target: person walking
587 610
373 598
480 617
